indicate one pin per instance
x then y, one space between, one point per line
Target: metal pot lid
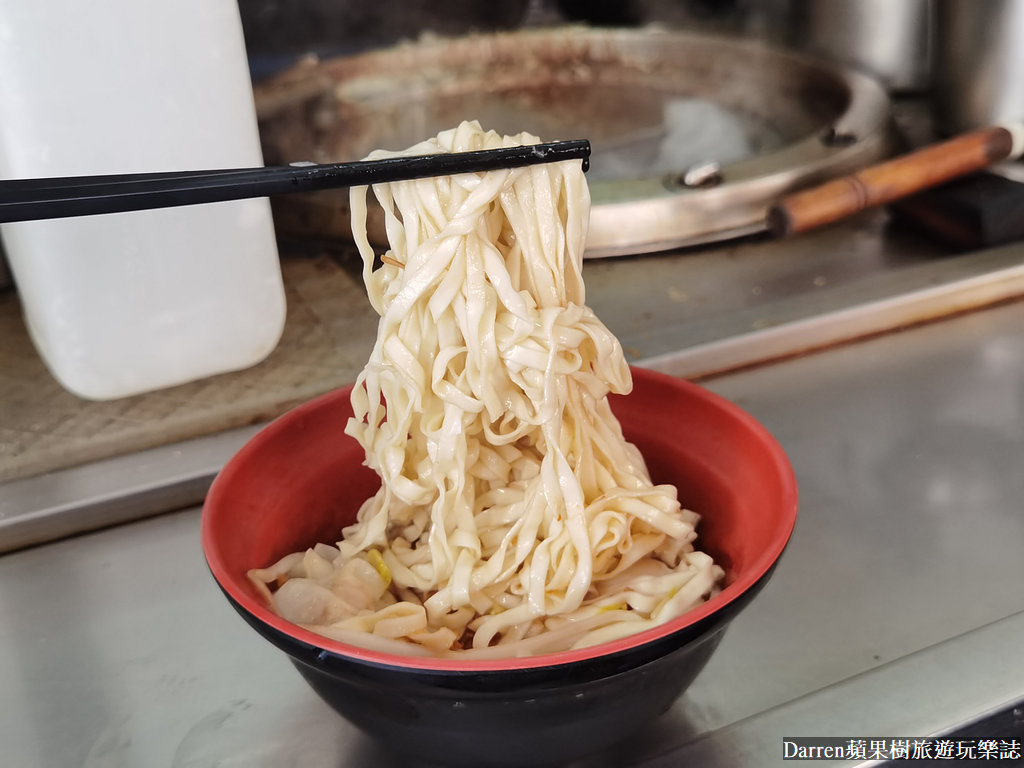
693 136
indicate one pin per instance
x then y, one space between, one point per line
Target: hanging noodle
513 517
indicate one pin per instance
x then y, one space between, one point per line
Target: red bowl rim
761 565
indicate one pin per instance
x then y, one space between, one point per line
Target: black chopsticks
55 198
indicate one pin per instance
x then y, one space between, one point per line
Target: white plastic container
119 304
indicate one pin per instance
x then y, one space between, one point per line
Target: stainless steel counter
897 610
693 313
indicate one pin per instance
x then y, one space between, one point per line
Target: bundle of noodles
513 517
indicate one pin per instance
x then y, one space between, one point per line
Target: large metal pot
979 67
799 121
889 40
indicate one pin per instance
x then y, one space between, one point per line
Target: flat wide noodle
513 517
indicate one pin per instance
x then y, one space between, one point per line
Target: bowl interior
302 479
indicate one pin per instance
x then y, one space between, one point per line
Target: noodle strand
513 517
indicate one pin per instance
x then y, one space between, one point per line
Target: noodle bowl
513 517
302 480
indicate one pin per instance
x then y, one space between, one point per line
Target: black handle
62 197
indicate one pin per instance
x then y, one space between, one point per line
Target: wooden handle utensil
893 180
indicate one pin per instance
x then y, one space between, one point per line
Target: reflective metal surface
889 40
688 313
939 690
653 103
45 507
978 64
116 648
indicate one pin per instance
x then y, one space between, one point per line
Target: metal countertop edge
42 508
843 325
927 693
